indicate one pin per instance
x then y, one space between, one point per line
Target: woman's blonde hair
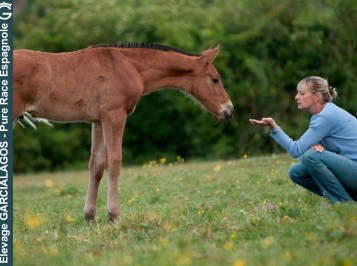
317 84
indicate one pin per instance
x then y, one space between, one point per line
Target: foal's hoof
90 217
113 217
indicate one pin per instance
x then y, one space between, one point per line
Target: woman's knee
310 156
295 173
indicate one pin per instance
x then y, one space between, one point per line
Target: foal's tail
29 119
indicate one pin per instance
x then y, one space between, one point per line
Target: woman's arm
317 130
268 121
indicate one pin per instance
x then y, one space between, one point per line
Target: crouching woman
328 149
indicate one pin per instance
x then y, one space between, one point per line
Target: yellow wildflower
217 168
53 251
18 245
184 260
309 236
239 263
128 259
347 262
48 183
33 221
69 218
179 159
169 226
228 246
267 242
164 242
287 256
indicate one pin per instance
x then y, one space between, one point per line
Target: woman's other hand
318 147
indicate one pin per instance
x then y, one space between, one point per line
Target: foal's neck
160 69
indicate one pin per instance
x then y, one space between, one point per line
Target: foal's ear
209 55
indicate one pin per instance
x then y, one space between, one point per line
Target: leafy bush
266 48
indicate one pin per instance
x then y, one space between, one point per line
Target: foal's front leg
97 165
113 129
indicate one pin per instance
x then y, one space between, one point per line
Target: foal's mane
146 46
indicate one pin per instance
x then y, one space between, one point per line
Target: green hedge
266 48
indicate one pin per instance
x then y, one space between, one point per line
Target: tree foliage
267 46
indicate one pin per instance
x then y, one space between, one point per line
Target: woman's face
305 99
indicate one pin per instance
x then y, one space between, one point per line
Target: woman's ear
317 97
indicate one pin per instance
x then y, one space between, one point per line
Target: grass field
235 213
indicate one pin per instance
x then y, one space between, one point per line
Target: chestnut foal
101 85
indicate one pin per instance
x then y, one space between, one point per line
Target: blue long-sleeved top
333 127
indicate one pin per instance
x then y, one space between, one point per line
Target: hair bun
331 90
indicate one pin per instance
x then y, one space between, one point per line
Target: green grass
241 212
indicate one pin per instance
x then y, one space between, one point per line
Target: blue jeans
326 174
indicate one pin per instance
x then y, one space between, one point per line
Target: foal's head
207 86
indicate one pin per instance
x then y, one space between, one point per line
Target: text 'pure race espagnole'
6 133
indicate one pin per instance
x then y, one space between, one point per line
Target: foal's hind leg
97 165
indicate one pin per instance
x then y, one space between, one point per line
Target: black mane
146 46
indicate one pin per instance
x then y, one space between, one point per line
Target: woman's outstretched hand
267 121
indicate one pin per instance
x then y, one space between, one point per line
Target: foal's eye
215 80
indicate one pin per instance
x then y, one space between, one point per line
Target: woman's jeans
326 174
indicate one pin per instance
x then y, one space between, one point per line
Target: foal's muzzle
227 111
